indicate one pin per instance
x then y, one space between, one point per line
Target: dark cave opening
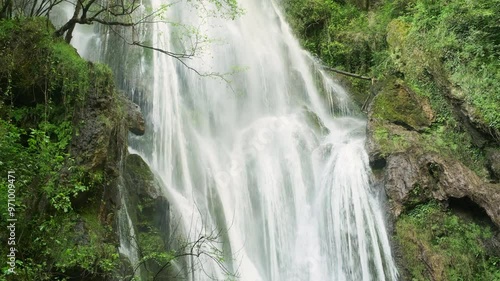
467 209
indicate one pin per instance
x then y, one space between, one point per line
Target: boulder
398 104
134 118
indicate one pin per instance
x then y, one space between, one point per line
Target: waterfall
271 158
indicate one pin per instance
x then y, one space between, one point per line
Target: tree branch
348 73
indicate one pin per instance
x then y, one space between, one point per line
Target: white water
294 203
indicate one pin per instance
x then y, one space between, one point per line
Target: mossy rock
397 104
149 212
493 162
314 121
148 207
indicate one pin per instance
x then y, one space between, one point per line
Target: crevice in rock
378 164
404 125
467 209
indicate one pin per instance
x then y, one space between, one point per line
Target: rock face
102 121
415 178
148 205
149 211
414 170
135 120
420 163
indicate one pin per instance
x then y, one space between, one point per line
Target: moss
397 32
85 246
438 245
391 141
398 105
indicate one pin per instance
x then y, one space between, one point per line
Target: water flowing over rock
273 160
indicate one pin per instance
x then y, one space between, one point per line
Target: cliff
64 129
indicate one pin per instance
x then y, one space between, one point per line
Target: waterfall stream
272 160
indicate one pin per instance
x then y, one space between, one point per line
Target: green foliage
153 249
450 141
70 72
333 31
464 36
43 82
436 242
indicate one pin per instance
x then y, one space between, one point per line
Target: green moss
453 143
397 32
438 245
390 141
397 105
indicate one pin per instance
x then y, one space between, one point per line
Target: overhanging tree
131 15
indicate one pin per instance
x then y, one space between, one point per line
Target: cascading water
275 157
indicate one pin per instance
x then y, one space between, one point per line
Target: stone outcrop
149 211
414 177
144 190
412 168
135 120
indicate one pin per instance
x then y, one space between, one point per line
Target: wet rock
314 121
147 203
135 119
149 211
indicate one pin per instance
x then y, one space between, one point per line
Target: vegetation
438 245
40 94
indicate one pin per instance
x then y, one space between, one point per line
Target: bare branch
348 73
168 53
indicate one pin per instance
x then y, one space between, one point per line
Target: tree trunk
70 25
6 11
69 33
